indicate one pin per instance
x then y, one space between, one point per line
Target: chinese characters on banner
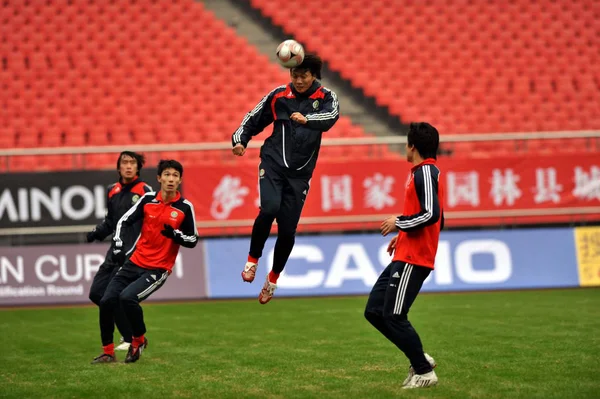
227 195
362 188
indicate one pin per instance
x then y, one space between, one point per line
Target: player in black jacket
121 196
300 112
168 222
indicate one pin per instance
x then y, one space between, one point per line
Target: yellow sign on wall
587 240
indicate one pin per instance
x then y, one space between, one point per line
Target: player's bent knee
372 316
269 209
95 298
108 302
128 299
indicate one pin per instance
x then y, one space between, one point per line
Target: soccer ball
290 53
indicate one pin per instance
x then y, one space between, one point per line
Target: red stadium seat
99 161
7 138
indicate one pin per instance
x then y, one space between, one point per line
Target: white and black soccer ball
290 53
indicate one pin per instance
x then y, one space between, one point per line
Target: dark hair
139 158
169 163
312 63
425 138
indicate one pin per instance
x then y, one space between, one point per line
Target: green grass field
532 344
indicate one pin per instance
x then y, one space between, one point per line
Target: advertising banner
318 265
53 199
485 191
350 264
507 190
64 273
57 198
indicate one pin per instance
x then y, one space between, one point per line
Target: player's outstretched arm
326 117
254 122
426 185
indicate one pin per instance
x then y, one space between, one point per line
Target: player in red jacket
168 222
414 250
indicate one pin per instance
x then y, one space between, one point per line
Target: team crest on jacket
316 104
135 198
261 172
174 214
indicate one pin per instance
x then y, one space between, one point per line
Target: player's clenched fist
239 150
299 118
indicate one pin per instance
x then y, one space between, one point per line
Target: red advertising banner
353 195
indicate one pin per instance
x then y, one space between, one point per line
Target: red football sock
273 277
109 349
138 341
252 259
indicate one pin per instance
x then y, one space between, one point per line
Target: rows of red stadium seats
111 73
98 73
462 65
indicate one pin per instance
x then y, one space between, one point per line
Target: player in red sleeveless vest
413 251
